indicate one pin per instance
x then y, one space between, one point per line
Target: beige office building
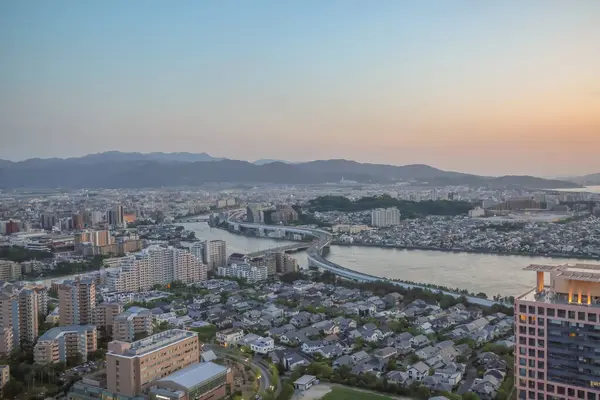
77 302
134 321
131 368
60 343
105 316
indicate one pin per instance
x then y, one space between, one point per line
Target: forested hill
408 209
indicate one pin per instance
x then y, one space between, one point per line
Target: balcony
549 297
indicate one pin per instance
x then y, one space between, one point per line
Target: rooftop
57 332
579 272
155 342
304 380
195 374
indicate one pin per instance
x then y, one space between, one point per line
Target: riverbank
470 251
428 248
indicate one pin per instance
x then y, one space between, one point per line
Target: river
488 273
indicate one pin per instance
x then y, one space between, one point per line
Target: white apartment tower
385 217
155 265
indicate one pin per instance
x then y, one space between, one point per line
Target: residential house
386 353
263 345
418 371
397 377
229 337
419 341
312 346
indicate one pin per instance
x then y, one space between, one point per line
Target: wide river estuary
488 273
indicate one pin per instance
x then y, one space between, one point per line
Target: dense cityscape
107 278
299 200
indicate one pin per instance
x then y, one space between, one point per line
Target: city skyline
494 89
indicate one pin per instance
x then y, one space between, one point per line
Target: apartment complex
77 302
106 314
385 217
155 265
60 343
557 353
9 271
284 216
255 215
134 321
19 311
215 254
116 216
131 368
251 273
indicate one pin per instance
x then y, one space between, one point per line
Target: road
471 375
266 378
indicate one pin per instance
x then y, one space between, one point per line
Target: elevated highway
316 260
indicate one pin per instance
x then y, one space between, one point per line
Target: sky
488 87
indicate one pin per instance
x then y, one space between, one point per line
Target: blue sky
486 87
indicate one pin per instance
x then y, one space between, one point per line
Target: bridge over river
322 239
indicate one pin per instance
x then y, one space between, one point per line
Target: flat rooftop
304 380
576 272
195 374
155 342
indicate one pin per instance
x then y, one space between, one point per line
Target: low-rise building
230 337
197 381
263 345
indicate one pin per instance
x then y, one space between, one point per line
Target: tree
12 389
470 396
73 361
392 365
481 295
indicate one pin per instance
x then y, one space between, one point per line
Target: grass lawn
338 393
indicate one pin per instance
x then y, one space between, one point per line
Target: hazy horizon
490 88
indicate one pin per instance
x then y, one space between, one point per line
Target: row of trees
409 209
21 254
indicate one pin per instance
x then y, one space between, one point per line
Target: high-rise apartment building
155 265
132 368
60 343
9 270
557 334
134 321
290 264
197 250
255 215
385 217
47 221
28 315
105 316
284 216
97 217
215 254
116 216
9 320
77 302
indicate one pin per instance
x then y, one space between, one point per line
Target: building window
540 395
531 395
541 343
550 388
592 317
581 316
541 376
562 314
541 331
580 394
522 317
522 329
571 314
522 361
550 312
591 396
540 310
531 363
541 321
571 392
540 386
531 310
532 342
532 320
541 354
540 364
560 390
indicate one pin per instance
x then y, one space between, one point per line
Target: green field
338 393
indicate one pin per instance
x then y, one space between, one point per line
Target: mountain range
116 169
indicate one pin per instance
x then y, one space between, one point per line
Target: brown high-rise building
77 302
131 368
